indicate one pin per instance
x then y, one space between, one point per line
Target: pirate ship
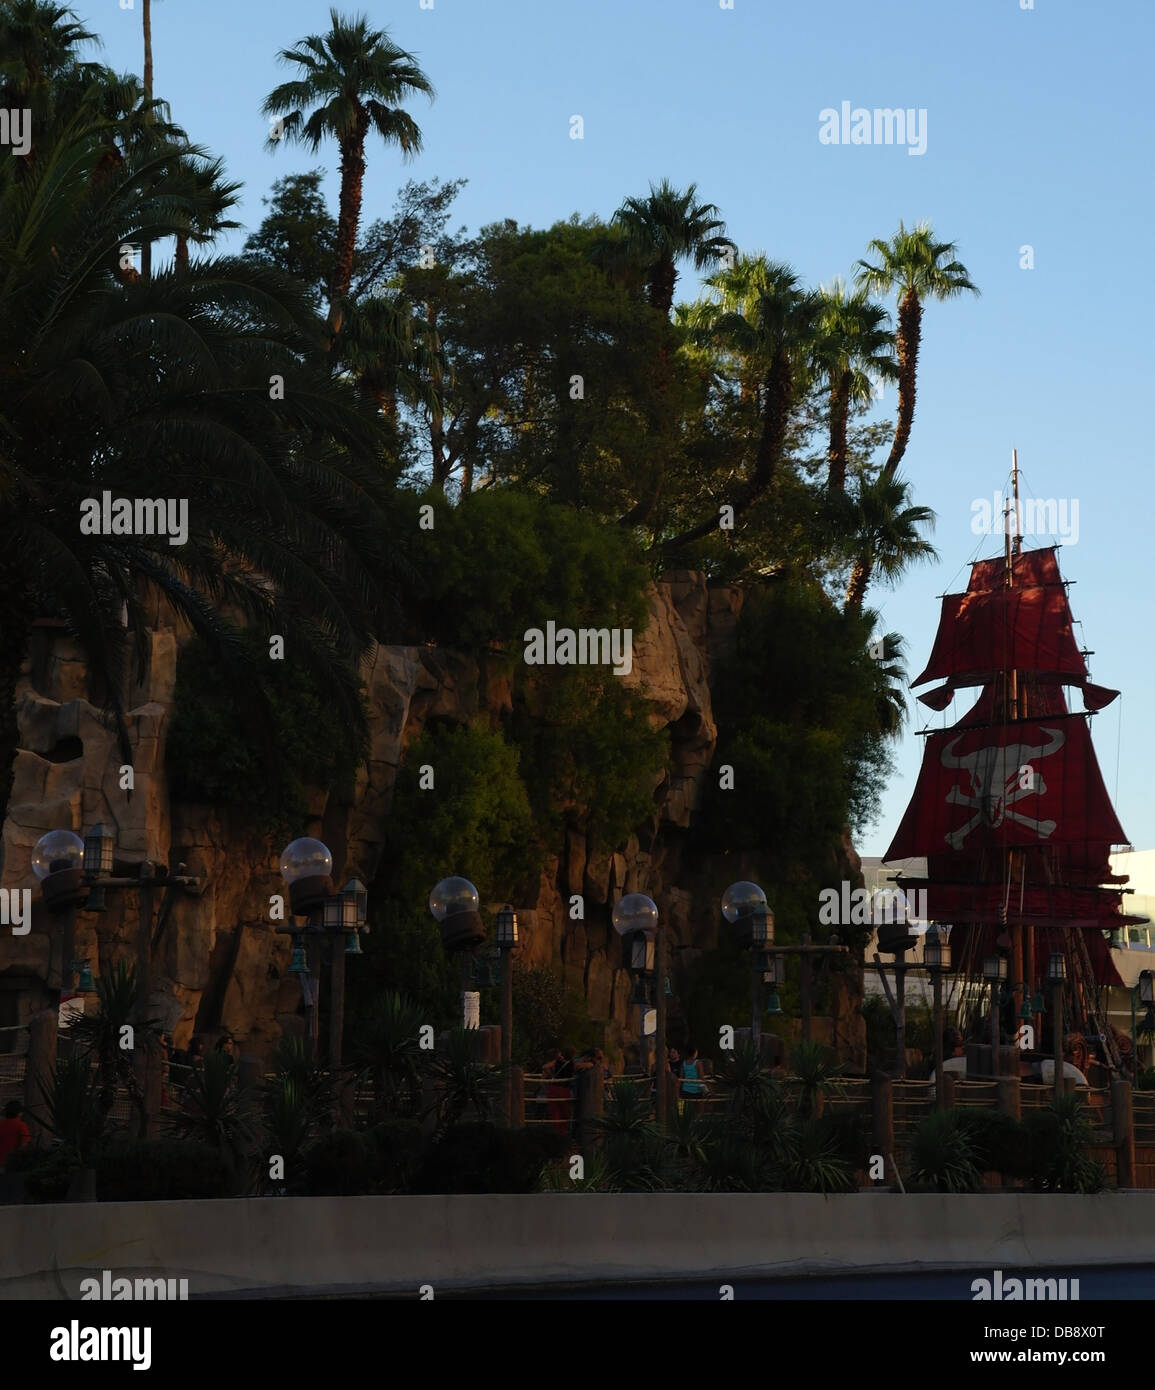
1010 811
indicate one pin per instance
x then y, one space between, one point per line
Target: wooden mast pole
1027 935
1012 548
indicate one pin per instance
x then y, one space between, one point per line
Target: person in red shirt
14 1133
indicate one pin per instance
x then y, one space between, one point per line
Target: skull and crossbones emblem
999 777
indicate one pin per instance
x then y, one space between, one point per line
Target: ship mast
1022 952
1027 937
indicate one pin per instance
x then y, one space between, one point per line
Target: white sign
471 1006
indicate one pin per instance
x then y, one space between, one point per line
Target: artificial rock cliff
217 962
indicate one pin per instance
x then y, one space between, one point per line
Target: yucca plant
463 1083
1059 1138
99 1036
816 1069
288 1124
635 1151
598 1177
813 1163
386 1049
944 1155
216 1112
73 1108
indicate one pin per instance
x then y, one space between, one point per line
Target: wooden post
589 1103
516 1097
662 1063
507 1036
146 1051
755 1001
1122 1124
994 1028
343 1085
900 1016
882 1113
1010 1097
1057 1016
39 1070
939 1073
804 990
336 998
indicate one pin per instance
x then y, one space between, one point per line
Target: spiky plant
944 1155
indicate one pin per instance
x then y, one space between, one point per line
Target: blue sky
1039 131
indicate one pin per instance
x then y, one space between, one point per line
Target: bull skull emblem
998 778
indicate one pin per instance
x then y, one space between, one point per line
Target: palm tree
386 346
774 334
107 386
854 348
353 77
915 267
887 535
38 41
146 21
667 227
213 197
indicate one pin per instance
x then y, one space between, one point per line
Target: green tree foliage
219 754
477 822
503 562
798 705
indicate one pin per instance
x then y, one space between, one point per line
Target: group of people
686 1068
559 1073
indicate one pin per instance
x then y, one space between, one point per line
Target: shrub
1058 1138
1000 1143
398 1144
944 1155
342 1163
50 1172
486 1158
257 756
160 1170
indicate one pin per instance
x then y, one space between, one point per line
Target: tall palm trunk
663 278
181 259
349 219
146 20
777 400
15 628
909 336
856 588
839 418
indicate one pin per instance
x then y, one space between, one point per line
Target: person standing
14 1133
693 1087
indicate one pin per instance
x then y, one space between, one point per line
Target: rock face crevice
218 963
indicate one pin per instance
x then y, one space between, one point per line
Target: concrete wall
400 1243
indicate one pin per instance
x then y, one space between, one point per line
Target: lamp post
334 921
936 958
1057 978
507 941
74 875
889 915
306 867
994 973
773 975
635 917
454 903
744 906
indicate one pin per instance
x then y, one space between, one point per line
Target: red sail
1030 568
1027 629
1006 786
